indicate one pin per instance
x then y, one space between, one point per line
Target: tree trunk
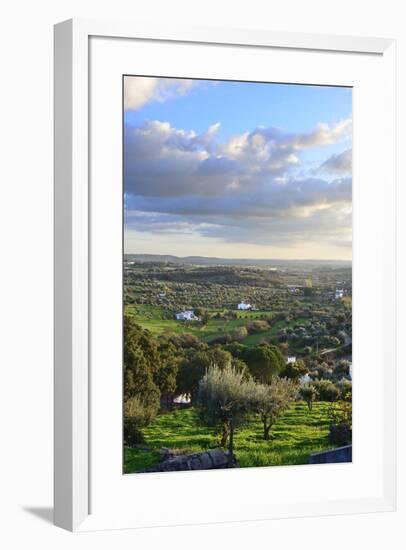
267 429
224 435
230 444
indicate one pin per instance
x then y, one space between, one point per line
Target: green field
158 321
296 435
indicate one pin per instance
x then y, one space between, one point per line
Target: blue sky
237 169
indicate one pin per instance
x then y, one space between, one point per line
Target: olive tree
308 393
272 400
194 365
326 390
225 400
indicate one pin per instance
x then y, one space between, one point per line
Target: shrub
238 334
340 434
326 390
325 371
345 388
223 339
137 414
257 326
132 433
340 415
309 394
342 368
295 370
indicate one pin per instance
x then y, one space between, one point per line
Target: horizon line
241 258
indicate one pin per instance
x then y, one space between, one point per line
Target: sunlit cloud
249 189
338 163
139 90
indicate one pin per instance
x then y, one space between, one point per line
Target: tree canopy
271 401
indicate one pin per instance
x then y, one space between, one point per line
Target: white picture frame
75 507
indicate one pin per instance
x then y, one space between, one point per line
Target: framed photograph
224 275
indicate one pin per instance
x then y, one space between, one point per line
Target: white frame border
71 244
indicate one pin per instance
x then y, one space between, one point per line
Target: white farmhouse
291 359
243 305
183 399
188 315
339 293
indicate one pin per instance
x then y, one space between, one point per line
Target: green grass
294 437
154 319
254 339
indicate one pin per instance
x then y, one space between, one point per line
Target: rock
219 458
209 460
206 462
195 464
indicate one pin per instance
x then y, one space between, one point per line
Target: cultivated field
295 437
155 319
296 334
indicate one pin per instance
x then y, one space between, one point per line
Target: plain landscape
237 274
296 325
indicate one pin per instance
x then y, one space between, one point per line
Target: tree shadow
41 512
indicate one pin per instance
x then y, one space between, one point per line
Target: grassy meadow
155 319
295 314
295 436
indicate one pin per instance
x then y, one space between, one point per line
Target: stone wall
341 454
209 460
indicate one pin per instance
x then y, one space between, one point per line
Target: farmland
292 343
302 297
155 319
233 356
294 438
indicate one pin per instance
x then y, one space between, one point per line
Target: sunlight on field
293 320
295 436
155 319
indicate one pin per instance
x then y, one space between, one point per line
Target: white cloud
323 134
338 163
164 161
246 190
139 90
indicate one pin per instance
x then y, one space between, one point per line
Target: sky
237 169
